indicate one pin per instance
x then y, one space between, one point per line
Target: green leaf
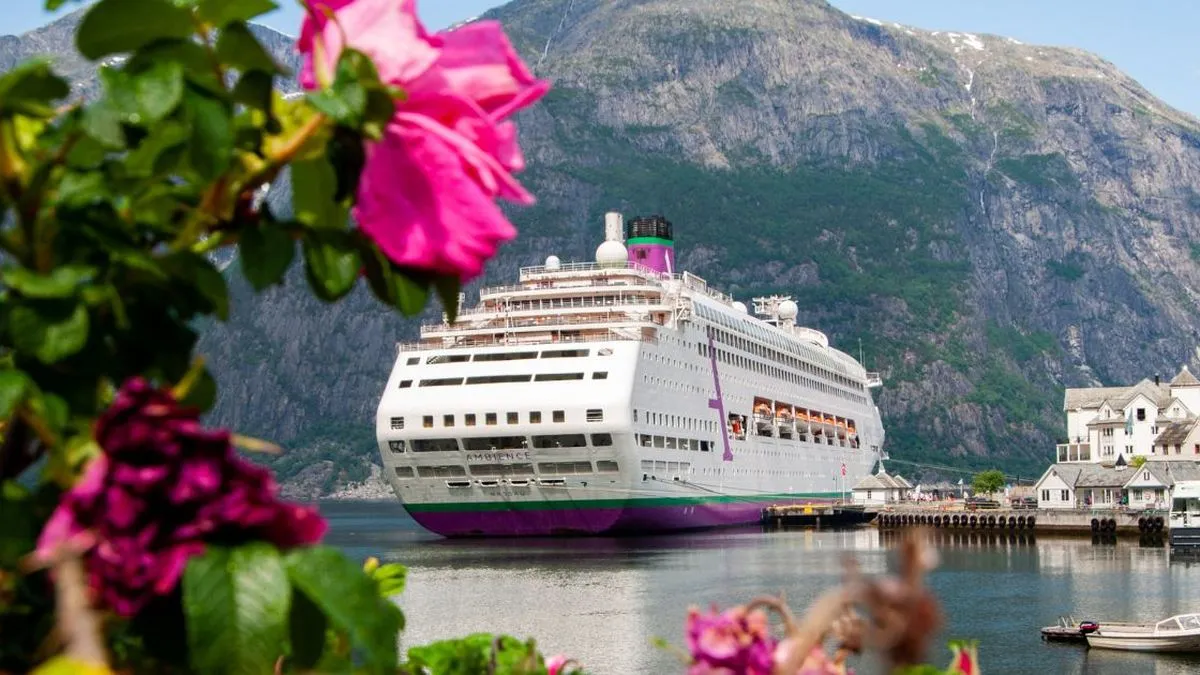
351 601
391 578
212 134
14 385
266 253
102 122
392 285
237 603
448 288
82 189
157 153
476 654
307 627
195 60
203 393
51 409
30 88
50 331
239 49
346 100
158 91
116 26
330 263
347 154
254 89
221 12
314 184
199 275
61 282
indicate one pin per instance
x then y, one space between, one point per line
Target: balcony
1074 452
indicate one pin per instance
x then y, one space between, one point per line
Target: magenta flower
735 642
162 489
427 192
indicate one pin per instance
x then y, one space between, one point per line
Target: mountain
991 221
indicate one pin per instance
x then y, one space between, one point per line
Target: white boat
1180 633
621 396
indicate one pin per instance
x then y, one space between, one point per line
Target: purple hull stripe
590 521
718 403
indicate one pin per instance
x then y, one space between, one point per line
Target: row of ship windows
736 337
490 470
671 443
492 419
501 379
788 375
677 421
493 443
504 356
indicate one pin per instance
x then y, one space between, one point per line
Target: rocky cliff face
994 221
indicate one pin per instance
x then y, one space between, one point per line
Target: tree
1137 462
987 482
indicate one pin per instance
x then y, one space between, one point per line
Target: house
1087 485
881 489
1149 419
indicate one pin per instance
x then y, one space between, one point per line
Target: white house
881 489
1105 424
1149 486
1089 485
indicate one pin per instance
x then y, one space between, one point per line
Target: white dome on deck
611 253
741 307
788 310
553 263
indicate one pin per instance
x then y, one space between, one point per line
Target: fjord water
603 599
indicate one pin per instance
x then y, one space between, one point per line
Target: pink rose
428 189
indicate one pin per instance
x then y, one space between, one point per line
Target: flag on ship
843 468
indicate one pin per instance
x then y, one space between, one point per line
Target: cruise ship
621 396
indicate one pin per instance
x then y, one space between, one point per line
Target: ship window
595 415
506 356
535 417
396 446
600 376
448 358
469 419
490 419
607 466
563 353
497 379
644 440
602 440
512 418
427 421
564 467
447 420
451 471
435 444
502 470
635 415
560 441
495 443
557 377
704 447
442 382
559 416
403 471
405 384
414 361
659 442
397 423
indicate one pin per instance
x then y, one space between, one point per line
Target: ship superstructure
621 396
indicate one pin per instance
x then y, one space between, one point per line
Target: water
602 600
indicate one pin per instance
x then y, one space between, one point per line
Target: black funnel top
650 226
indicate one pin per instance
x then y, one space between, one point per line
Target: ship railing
557 304
487 291
874 380
514 340
549 321
565 270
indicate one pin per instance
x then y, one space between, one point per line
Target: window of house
1045 495
535 417
1141 414
490 419
469 419
512 418
560 416
427 421
868 494
1064 495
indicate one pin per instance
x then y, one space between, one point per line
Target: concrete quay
1039 521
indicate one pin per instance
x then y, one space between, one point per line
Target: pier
818 516
1040 521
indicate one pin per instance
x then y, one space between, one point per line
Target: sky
1152 40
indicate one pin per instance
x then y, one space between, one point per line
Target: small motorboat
1068 630
1179 633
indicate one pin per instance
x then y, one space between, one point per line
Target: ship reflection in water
603 599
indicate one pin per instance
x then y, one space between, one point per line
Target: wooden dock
819 516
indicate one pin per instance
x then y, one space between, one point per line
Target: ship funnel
652 243
614 227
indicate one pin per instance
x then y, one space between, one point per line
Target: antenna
861 361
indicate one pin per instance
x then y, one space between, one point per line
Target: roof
1176 433
1118 397
1156 469
1185 378
882 481
1179 470
1090 475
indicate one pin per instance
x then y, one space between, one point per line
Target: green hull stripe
633 503
650 240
